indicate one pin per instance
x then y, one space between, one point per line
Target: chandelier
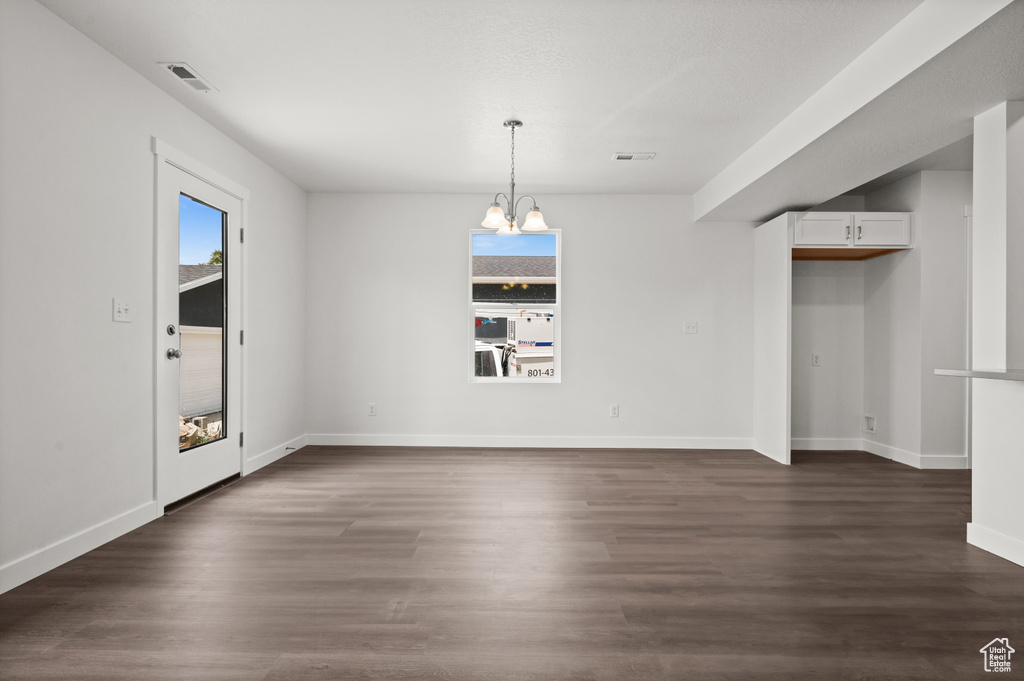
505 220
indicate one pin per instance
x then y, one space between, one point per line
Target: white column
998 327
1014 259
998 332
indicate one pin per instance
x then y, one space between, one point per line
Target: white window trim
516 280
555 307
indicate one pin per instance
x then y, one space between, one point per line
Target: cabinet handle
860 229
847 232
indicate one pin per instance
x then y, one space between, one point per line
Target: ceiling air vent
187 74
634 156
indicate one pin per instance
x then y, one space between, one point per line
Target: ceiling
410 95
957 156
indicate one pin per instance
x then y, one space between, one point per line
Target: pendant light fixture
505 220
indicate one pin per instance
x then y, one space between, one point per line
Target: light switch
122 311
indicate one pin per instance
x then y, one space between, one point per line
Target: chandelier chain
506 221
513 175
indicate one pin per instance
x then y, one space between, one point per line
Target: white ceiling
957 156
409 95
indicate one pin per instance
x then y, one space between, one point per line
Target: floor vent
187 74
634 156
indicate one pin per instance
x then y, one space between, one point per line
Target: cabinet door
823 229
881 229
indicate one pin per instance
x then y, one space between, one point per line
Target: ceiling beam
912 92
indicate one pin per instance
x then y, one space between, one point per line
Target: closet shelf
860 253
1010 375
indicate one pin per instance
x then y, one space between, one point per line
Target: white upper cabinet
855 230
881 229
824 229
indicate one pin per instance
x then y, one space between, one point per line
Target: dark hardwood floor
375 563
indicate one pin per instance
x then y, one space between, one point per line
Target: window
515 307
202 369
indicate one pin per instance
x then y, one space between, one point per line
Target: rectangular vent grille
187 74
634 156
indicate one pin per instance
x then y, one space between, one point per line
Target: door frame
165 155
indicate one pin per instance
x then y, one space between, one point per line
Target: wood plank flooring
458 564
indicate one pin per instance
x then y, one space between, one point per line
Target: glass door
198 334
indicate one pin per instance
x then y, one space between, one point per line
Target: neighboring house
511 278
201 318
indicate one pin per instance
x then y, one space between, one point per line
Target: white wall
76 214
828 321
916 321
845 203
634 269
945 286
892 333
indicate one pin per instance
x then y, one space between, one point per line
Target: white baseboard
995 542
827 444
271 455
922 461
944 462
23 569
528 441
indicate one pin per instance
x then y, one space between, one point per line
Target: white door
773 276
198 266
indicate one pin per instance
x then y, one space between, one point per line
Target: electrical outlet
122 311
869 424
815 360
613 411
372 411
689 327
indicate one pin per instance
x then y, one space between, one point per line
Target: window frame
555 308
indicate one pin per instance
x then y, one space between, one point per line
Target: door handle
173 353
